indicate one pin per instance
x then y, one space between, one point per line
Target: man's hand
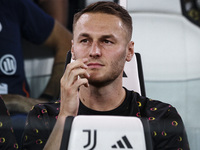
75 76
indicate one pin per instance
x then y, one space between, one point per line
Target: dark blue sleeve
35 25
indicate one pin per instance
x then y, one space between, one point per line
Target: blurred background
167 35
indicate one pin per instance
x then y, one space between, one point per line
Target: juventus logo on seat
89 139
123 144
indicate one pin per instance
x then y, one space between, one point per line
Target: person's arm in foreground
69 99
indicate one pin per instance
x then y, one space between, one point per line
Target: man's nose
95 50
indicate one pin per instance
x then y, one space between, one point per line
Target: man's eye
84 41
108 42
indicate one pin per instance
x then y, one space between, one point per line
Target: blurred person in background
22 18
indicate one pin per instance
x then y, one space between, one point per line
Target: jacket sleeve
36 130
7 138
167 127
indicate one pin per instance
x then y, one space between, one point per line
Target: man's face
102 38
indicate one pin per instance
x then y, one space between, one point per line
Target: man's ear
130 53
72 50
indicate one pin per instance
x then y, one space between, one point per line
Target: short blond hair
111 8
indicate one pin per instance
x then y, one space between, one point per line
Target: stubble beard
108 77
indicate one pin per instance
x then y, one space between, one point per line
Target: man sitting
92 84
